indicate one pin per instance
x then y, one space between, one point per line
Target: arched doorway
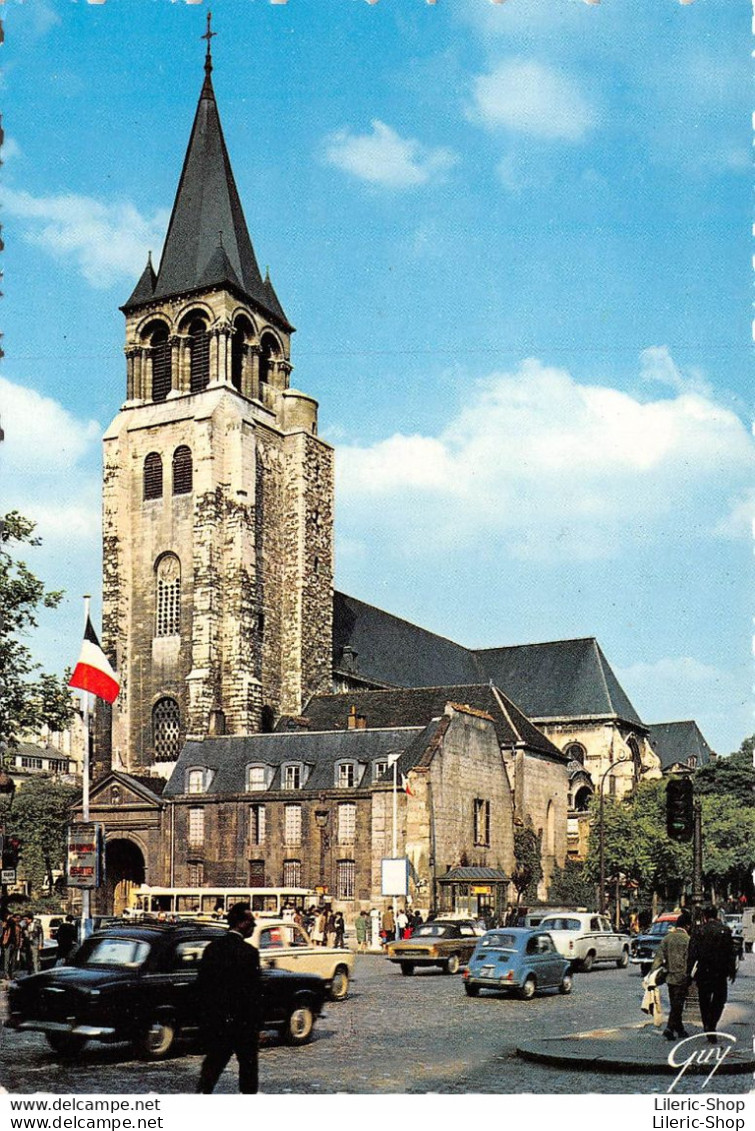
124 870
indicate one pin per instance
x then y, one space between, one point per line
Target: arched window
199 355
269 351
153 476
582 799
166 730
242 332
160 352
575 752
182 471
168 603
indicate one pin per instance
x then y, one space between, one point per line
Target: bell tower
218 493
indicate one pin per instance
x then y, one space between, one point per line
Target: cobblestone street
397 1035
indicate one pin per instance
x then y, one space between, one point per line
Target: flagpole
85 904
395 838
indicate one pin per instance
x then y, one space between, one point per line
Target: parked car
643 947
748 928
447 943
586 939
734 923
137 984
287 946
518 959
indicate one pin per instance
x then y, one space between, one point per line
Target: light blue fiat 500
517 959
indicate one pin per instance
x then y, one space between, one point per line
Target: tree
730 777
571 886
527 855
28 699
39 816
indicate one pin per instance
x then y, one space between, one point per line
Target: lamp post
601 834
322 817
7 789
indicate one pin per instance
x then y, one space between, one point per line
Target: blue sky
514 240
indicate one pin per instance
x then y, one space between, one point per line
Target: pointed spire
145 288
207 202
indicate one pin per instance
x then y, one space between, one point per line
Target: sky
514 240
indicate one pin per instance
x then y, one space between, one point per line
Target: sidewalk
641 1047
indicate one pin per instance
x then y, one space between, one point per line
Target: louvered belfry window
166 730
153 476
199 355
168 603
161 364
182 471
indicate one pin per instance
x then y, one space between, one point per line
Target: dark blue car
517 959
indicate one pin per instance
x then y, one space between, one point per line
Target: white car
586 938
285 945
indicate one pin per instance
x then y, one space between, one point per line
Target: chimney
352 721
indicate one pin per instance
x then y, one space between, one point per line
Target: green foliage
570 886
528 857
732 777
39 815
28 700
728 844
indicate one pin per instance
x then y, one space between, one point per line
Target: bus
190 903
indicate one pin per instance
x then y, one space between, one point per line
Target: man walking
712 961
228 987
673 955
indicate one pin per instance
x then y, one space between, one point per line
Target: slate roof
676 742
229 756
469 874
393 652
416 706
560 678
208 242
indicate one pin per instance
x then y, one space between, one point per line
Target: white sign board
395 876
8 876
84 854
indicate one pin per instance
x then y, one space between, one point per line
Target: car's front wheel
157 1039
528 989
339 987
471 989
407 969
298 1029
623 962
567 983
645 968
452 965
66 1044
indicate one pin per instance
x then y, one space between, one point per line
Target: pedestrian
66 939
673 956
319 928
388 932
374 935
330 928
24 948
339 930
37 942
10 939
402 922
228 991
712 960
416 920
362 928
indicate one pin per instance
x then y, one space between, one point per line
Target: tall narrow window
166 730
153 476
242 332
195 781
168 603
199 356
257 824
257 874
292 824
292 777
347 822
482 823
196 828
182 471
346 877
196 874
292 874
160 352
269 351
345 775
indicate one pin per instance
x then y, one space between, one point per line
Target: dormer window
293 776
378 769
346 775
196 780
256 778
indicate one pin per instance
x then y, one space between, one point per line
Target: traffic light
680 819
11 851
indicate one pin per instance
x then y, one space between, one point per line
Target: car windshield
430 931
499 941
128 953
560 923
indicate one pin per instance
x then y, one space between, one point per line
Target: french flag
93 671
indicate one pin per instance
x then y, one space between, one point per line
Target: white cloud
10 149
658 367
549 468
107 241
385 158
526 97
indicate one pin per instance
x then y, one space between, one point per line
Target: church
264 718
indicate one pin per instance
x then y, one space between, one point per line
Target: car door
175 983
468 941
550 960
600 942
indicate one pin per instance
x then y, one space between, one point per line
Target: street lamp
601 833
322 817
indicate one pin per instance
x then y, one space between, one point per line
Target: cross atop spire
208 35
